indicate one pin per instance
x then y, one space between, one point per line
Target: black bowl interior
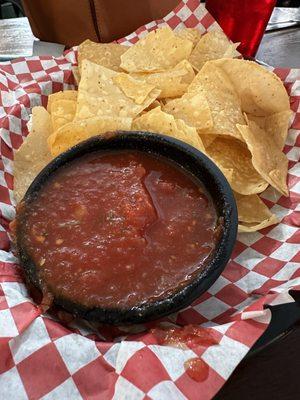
191 160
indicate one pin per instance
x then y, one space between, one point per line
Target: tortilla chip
207 140
74 132
132 88
166 100
99 95
62 112
276 126
267 159
253 227
159 50
106 54
193 109
253 214
261 91
33 155
232 155
172 82
192 34
153 105
76 74
223 101
65 95
251 208
212 46
232 51
158 121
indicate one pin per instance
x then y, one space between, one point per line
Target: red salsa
197 369
188 336
119 229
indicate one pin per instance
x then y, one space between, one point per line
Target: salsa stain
188 336
197 369
119 229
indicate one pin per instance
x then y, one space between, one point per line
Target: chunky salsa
119 229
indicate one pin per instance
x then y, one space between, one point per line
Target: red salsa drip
197 369
119 229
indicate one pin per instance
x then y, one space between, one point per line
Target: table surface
16 38
281 48
271 373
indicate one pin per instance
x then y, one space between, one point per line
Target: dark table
270 374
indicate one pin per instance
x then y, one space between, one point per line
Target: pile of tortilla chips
181 84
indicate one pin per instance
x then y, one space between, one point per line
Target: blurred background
11 9
268 30
14 9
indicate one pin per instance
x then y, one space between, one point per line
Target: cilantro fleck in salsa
119 229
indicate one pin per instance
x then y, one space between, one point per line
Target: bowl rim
201 280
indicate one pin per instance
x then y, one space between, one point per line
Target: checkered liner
41 358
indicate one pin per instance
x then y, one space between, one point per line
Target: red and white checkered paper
42 359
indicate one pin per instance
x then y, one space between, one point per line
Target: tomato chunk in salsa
119 229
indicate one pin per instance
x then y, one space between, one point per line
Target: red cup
243 21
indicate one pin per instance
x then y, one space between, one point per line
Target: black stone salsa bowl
192 161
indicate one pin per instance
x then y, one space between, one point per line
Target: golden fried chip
207 140
232 155
76 74
166 100
232 51
158 121
172 82
33 155
261 91
159 50
62 112
253 214
255 226
153 105
223 101
192 108
190 135
251 208
276 126
191 34
74 132
267 159
65 95
106 54
136 90
99 95
211 46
